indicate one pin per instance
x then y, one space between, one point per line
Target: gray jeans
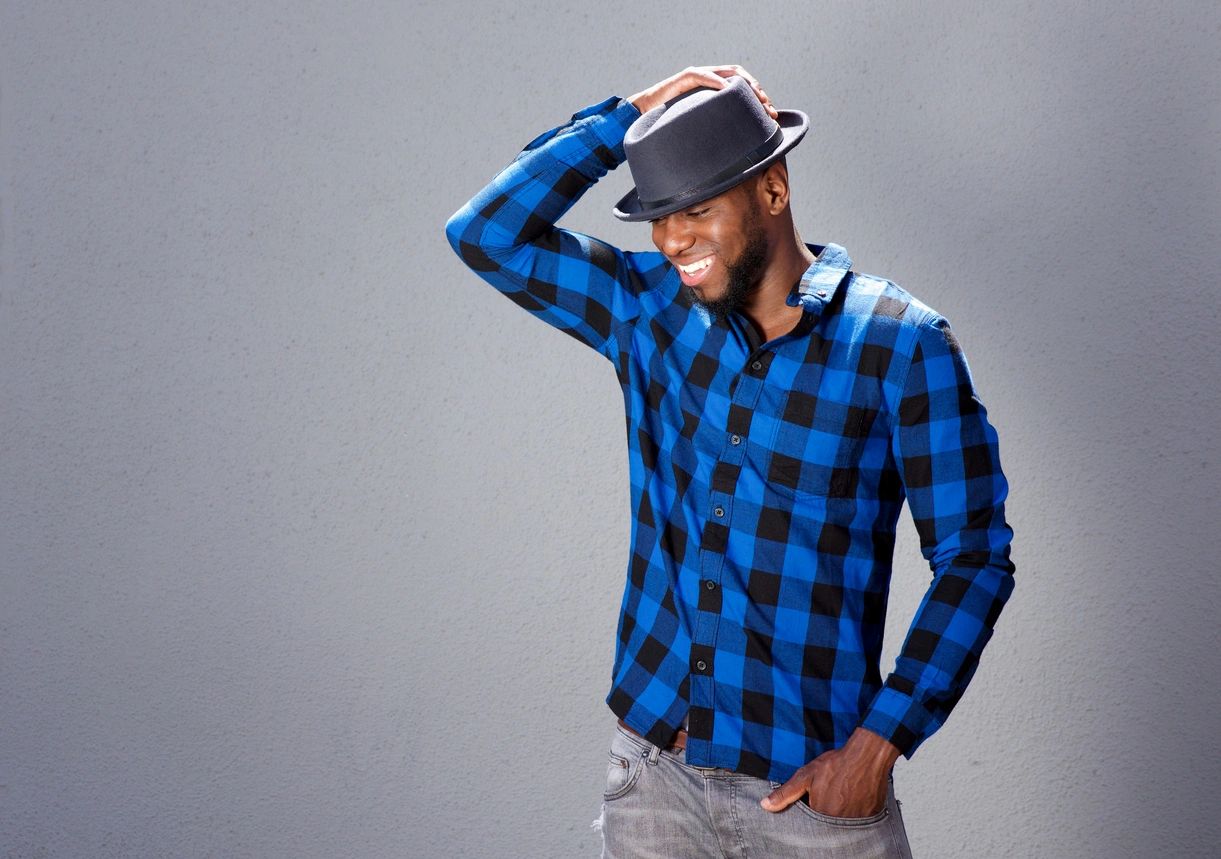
657 806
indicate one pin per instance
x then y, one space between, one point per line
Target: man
780 408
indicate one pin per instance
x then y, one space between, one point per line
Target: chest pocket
816 447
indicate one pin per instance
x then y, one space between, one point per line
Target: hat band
750 159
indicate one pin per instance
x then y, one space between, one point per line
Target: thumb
783 796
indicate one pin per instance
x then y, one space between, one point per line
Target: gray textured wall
312 544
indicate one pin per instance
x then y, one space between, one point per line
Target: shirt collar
819 282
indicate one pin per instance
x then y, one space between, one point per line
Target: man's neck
767 309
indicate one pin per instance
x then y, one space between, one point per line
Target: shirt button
758 365
735 439
822 293
710 584
718 511
701 665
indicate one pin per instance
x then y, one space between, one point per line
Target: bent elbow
464 236
456 227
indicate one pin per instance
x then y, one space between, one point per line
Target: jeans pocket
623 766
803 805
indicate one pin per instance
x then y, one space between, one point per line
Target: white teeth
696 266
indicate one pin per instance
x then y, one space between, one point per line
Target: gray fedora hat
701 144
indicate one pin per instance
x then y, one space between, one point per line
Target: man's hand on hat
697 76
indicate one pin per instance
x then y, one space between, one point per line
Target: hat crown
680 147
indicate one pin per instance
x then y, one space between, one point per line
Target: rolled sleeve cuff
616 116
900 719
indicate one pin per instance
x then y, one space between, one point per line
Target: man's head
700 144
731 235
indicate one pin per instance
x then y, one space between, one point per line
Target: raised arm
948 458
506 233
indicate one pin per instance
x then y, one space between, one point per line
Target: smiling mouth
695 273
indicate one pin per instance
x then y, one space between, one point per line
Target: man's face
727 232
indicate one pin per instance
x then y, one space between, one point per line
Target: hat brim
794 124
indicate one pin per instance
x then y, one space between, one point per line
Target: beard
744 272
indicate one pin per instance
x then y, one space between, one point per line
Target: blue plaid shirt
766 478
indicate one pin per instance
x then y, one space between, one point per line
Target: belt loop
654 752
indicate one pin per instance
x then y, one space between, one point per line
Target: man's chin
718 308
700 297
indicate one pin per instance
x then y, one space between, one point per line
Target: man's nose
671 239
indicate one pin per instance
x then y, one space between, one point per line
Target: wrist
642 101
872 751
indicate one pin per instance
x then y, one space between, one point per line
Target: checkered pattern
766 478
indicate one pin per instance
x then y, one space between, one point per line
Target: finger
725 71
721 72
710 78
767 104
740 72
744 73
759 91
783 796
730 70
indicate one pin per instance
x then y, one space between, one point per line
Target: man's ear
773 186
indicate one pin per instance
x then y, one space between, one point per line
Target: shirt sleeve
948 459
506 233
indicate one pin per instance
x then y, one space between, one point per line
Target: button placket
744 394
